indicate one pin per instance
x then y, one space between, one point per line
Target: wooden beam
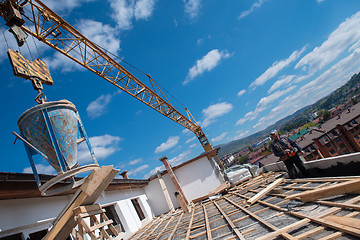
352 186
265 191
347 221
232 225
190 224
208 230
88 193
262 221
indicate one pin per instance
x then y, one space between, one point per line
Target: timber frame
273 215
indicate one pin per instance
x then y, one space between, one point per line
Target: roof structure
241 214
23 185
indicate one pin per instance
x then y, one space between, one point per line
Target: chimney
124 174
173 178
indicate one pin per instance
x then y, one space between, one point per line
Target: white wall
197 179
33 214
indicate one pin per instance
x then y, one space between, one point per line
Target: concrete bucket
53 130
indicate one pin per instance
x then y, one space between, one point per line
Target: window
332 151
357 136
328 145
337 140
310 156
112 215
17 236
137 207
342 145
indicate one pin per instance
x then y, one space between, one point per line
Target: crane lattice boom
54 31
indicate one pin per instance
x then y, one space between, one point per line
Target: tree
250 148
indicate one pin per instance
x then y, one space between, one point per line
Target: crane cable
2 29
142 72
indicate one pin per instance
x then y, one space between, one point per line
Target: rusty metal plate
28 69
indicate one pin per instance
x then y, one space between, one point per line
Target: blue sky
238 66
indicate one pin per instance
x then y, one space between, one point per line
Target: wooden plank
164 228
208 230
330 224
87 208
352 186
176 226
94 184
347 221
341 205
232 225
101 225
190 223
262 221
264 191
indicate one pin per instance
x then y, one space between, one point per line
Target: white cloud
346 34
215 111
64 5
190 139
240 134
133 162
193 145
124 11
192 7
153 172
103 146
182 157
318 88
186 131
219 138
102 34
138 170
276 68
97 107
284 81
241 92
320 1
252 8
171 142
274 96
263 105
40 168
206 63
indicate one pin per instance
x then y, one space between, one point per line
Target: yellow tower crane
51 29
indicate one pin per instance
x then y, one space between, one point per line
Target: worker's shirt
279 146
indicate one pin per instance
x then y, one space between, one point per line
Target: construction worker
288 152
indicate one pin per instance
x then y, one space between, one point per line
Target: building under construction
193 200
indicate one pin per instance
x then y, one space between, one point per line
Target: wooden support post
265 191
333 190
165 191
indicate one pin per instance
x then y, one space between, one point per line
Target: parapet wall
344 165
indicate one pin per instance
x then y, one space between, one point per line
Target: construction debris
271 216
